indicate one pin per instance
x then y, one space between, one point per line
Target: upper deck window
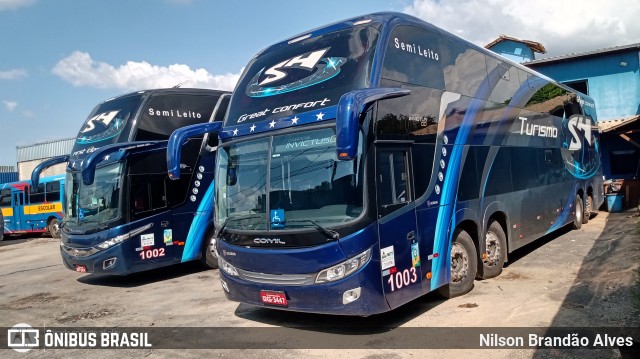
310 74
164 113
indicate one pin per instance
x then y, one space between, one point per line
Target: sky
58 59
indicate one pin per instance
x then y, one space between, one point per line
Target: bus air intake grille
281 279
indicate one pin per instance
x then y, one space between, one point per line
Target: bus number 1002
402 279
152 253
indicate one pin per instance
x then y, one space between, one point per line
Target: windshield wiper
328 232
233 219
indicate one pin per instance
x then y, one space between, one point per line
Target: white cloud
14 4
13 74
81 70
10 105
561 26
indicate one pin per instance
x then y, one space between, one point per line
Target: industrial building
28 157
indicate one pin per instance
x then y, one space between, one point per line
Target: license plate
81 268
274 298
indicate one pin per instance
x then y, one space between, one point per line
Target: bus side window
393 178
52 193
212 140
5 197
18 199
37 197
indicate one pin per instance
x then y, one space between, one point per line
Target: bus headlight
227 267
121 238
345 268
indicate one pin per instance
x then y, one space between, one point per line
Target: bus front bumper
324 298
108 261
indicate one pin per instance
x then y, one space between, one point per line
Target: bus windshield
305 181
91 206
306 75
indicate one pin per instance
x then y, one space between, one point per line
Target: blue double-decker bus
122 213
368 162
28 210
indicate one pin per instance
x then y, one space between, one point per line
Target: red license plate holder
270 297
81 268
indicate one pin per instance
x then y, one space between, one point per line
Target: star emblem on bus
235 132
272 124
253 128
294 120
320 116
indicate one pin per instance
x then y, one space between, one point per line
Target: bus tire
209 256
579 213
54 228
588 209
464 265
496 250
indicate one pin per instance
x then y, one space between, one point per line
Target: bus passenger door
399 250
18 212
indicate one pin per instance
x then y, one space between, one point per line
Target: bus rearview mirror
179 137
350 108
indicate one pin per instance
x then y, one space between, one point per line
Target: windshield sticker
415 255
168 237
147 240
387 258
303 142
265 112
323 69
277 218
101 127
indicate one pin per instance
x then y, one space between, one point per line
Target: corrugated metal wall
7 169
6 177
44 150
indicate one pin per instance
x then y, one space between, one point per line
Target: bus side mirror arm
88 169
35 175
350 107
179 137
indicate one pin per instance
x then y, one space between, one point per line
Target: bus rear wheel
496 252
210 256
588 209
579 211
464 265
54 228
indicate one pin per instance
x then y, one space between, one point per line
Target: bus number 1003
402 279
152 253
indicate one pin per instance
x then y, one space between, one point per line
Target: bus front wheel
464 265
579 211
210 257
54 228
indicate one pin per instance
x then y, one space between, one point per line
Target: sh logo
321 68
575 124
100 127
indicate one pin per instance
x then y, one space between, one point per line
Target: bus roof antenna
180 84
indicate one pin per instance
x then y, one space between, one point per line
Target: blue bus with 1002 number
122 213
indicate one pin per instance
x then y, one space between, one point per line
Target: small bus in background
122 213
27 210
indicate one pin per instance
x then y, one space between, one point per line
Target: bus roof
168 91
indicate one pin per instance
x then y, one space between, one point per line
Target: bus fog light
344 269
351 295
108 263
224 285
